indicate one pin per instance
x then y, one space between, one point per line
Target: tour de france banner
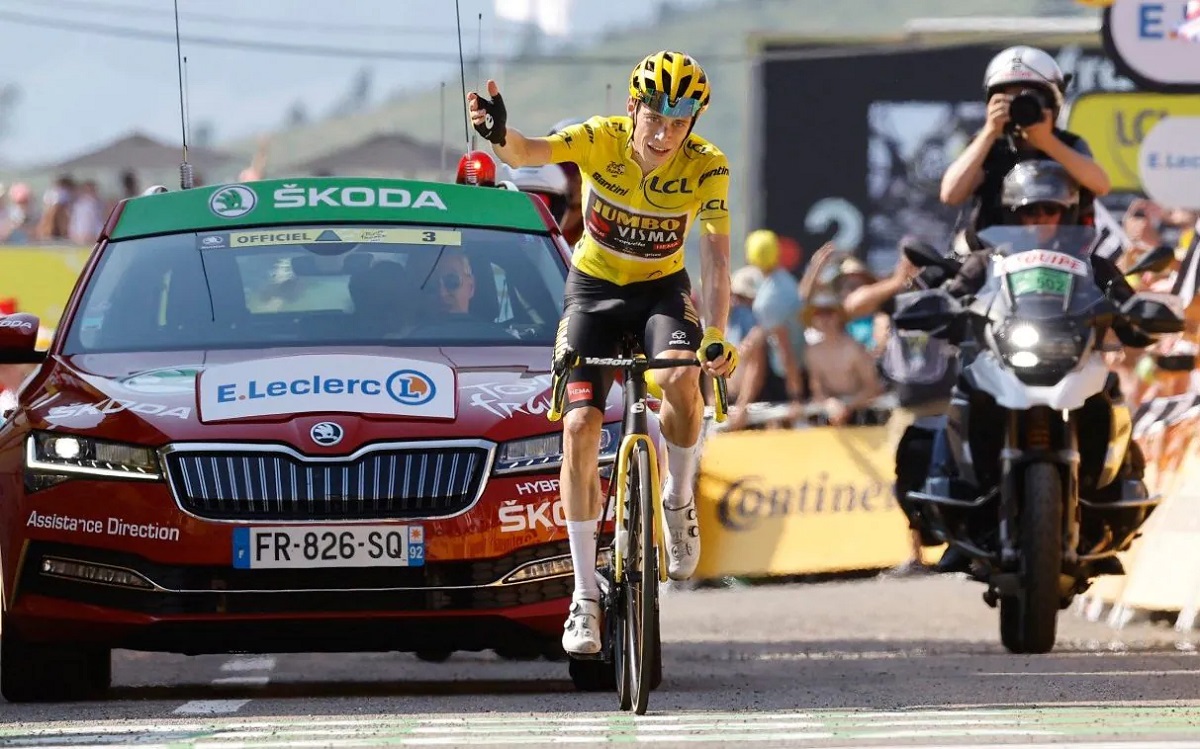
788 502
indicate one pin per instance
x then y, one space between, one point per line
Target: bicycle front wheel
642 598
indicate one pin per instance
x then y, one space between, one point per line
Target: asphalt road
871 662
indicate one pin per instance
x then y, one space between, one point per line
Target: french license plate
291 546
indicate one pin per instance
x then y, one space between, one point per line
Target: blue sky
82 88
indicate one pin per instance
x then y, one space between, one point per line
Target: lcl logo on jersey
669 187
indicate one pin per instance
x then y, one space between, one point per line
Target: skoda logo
232 201
326 434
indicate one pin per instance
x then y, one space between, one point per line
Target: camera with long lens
1027 107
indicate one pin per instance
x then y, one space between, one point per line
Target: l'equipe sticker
325 383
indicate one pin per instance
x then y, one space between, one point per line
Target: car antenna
462 69
479 62
186 180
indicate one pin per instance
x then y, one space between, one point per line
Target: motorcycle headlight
57 457
1039 351
545 451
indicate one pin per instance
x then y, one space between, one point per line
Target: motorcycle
1039 440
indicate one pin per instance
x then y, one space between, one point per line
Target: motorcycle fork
1039 435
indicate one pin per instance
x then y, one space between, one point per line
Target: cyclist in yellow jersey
647 178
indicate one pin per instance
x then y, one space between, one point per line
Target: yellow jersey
635 224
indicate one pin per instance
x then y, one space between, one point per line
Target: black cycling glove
494 127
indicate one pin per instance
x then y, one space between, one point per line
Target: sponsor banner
322 200
629 232
799 501
324 383
41 278
1115 123
1155 42
1169 162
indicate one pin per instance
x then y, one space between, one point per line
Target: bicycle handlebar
570 360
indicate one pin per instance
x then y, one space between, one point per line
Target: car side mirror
925 310
18 339
1154 313
1156 260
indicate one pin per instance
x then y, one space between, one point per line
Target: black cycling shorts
597 313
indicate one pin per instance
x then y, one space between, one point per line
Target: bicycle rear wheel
642 586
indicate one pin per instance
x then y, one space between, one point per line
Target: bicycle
630 657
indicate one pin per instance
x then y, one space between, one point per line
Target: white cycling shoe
683 551
581 632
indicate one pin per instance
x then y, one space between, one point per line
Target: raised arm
489 117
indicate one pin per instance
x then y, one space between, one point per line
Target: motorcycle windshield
1040 272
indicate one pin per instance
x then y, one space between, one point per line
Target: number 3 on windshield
429 236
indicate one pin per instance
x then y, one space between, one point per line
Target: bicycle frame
636 429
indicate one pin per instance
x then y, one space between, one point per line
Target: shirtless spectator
56 217
842 373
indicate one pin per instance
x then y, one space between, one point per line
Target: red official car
290 416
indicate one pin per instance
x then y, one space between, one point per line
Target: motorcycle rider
1042 195
1031 75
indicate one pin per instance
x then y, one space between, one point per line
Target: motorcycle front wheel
1029 620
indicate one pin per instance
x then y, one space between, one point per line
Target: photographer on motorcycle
1041 195
1024 88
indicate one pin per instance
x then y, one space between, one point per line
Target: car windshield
321 285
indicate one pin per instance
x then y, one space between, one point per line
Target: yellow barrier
41 278
1166 572
786 502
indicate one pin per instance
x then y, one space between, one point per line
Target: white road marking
257 681
241 665
209 707
265 663
1147 672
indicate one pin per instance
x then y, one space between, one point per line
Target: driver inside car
1043 196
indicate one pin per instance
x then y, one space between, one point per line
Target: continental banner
799 501
41 278
1115 124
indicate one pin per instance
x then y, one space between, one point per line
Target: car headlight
65 455
545 451
1048 348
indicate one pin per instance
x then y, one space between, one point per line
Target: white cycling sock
681 474
582 535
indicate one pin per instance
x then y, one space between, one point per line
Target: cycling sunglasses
659 102
451 281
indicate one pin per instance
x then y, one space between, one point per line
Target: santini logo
294 196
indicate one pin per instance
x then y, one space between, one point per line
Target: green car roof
326 200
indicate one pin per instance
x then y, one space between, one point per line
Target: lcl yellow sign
1115 123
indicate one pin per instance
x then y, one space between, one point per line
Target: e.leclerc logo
405 386
232 201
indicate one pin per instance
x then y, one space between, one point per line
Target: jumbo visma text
404 386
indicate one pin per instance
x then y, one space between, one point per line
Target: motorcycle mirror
1154 313
1110 279
1131 336
1156 260
924 255
924 310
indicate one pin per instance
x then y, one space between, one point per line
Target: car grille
230 484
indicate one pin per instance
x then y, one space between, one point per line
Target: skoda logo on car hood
326 434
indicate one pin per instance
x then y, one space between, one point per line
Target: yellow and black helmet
670 83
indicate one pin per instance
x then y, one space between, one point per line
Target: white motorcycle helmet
1029 66
548 182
